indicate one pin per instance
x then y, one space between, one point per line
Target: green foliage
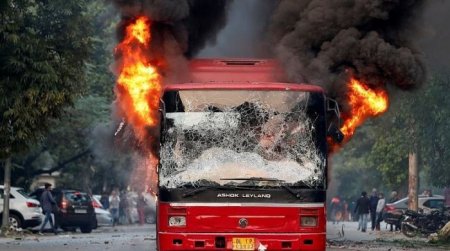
43 45
100 79
84 125
416 121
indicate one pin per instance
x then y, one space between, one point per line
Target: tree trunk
6 192
413 202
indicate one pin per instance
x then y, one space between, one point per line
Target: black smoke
325 41
179 26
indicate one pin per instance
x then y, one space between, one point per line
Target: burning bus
239 153
243 160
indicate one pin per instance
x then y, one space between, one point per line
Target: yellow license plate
243 244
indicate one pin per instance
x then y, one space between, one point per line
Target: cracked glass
218 135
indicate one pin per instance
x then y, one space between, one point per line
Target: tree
43 45
76 144
417 121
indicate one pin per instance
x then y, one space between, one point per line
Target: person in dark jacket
373 208
47 204
362 208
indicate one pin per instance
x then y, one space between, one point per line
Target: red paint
276 226
268 225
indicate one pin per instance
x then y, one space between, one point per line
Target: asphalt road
342 236
122 238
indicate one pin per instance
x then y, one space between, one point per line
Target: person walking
104 199
394 197
123 208
447 196
363 208
114 202
380 210
48 203
335 201
140 205
373 207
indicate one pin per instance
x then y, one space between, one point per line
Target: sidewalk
348 231
345 236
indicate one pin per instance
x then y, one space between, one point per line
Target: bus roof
239 74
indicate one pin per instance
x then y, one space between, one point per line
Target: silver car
103 216
24 212
393 211
426 203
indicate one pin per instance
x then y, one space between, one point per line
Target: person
363 208
334 208
380 210
394 197
114 202
140 205
48 203
427 192
447 196
104 199
345 213
373 207
123 208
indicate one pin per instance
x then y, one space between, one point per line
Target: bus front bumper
241 241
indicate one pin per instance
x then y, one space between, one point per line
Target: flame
138 89
139 82
364 102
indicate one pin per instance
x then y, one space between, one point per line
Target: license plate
243 244
80 211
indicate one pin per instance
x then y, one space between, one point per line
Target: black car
75 209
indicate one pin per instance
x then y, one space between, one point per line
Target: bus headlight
308 221
177 221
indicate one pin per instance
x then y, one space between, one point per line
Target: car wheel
86 229
15 221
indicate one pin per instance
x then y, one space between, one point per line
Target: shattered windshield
227 136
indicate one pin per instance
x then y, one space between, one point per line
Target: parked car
394 211
76 209
24 212
103 216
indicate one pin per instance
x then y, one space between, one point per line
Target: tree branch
61 165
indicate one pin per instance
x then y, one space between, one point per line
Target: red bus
243 160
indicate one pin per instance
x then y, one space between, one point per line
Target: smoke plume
180 26
245 32
326 41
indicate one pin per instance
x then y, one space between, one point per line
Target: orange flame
364 102
138 89
139 83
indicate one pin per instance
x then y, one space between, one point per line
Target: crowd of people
128 206
367 208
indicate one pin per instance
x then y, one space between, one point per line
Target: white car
24 212
103 216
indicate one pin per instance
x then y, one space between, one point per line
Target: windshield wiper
290 190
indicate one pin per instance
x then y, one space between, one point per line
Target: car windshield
231 137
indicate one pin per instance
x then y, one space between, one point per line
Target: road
343 236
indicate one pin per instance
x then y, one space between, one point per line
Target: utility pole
413 183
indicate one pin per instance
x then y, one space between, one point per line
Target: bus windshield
228 136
